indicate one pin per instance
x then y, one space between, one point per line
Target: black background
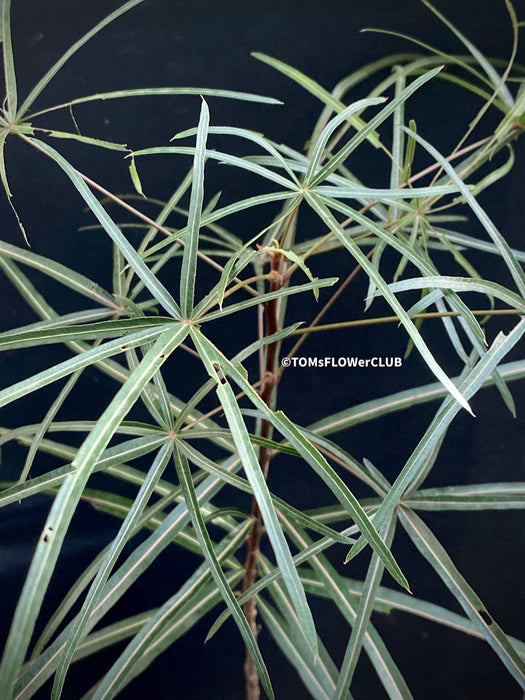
208 44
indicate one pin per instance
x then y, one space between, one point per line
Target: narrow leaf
317 90
63 369
64 506
443 418
62 274
36 673
435 554
310 453
35 92
364 612
340 157
9 65
135 178
155 287
191 242
260 490
217 573
503 247
361 258
78 630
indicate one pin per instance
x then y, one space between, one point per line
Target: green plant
202 454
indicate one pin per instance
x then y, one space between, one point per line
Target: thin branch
394 319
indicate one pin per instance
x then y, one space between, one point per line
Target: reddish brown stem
268 384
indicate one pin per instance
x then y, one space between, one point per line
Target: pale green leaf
436 555
78 630
191 241
135 177
361 258
317 90
503 247
64 505
260 490
340 157
43 82
449 409
9 65
363 615
156 288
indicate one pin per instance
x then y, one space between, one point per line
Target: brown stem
268 383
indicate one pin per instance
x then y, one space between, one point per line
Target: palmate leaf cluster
192 453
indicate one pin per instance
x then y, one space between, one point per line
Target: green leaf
9 66
299 261
317 673
312 455
305 448
233 267
370 410
128 450
246 352
228 159
160 92
461 284
36 673
111 634
449 409
316 90
273 528
46 422
54 332
43 82
485 64
361 258
63 509
259 139
409 154
135 178
152 232
174 619
163 627
90 141
498 496
156 288
62 274
503 247
191 242
260 490
209 219
388 600
350 190
216 571
89 573
333 586
238 482
435 554
89 357
78 630
445 58
364 613
319 148
262 298
340 157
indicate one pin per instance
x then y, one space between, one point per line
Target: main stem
269 381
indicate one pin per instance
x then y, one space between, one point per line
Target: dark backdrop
206 43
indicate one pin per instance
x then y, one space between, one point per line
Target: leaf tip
469 409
